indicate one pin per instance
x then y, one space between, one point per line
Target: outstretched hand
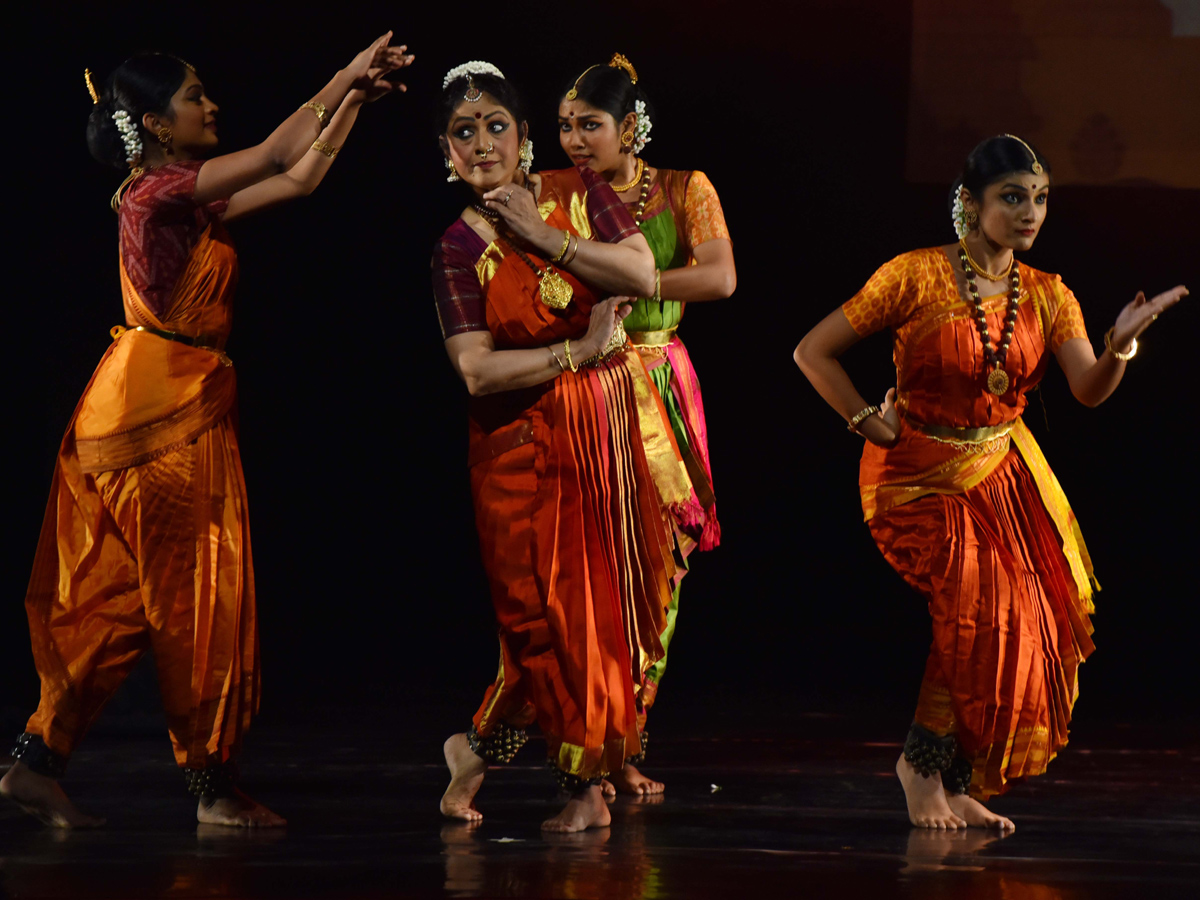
368 70
1137 316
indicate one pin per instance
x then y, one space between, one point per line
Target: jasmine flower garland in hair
958 215
129 135
641 131
474 67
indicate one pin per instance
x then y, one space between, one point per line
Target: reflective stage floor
812 809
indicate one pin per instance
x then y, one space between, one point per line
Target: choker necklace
641 167
980 270
997 378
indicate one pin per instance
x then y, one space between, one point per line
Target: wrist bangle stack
319 108
1130 354
567 353
571 253
327 148
854 422
565 246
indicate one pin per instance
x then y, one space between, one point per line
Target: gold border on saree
987 438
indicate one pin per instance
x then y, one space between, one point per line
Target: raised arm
486 370
817 356
223 176
302 178
626 267
1094 379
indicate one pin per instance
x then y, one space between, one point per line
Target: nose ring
490 148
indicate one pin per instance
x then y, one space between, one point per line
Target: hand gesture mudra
1137 316
368 70
518 211
606 315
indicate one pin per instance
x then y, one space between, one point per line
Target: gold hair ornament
1036 167
620 61
91 86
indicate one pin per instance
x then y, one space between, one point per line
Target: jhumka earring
972 218
453 176
526 156
165 137
627 139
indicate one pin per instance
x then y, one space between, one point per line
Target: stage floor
812 809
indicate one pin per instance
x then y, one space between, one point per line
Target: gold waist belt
952 435
652 338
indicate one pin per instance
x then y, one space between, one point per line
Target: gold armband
327 148
319 108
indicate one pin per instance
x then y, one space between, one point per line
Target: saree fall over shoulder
966 509
145 542
569 480
682 211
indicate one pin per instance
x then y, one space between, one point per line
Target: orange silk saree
571 480
145 542
966 509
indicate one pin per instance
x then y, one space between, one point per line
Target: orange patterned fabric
976 521
572 528
145 543
705 220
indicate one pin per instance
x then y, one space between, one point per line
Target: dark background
370 591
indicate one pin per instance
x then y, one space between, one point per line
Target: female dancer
146 541
570 525
603 125
958 495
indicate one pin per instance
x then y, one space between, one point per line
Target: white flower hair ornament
467 69
958 214
641 131
130 137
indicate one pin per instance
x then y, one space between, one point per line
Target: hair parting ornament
1035 167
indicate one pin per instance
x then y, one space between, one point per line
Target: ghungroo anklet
572 784
214 781
927 752
33 752
957 778
498 747
641 757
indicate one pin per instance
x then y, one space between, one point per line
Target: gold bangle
574 249
567 353
658 285
566 244
869 411
561 368
319 108
327 148
1113 350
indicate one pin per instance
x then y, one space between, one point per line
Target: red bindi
479 115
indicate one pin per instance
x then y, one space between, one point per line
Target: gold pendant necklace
621 188
980 270
553 290
998 381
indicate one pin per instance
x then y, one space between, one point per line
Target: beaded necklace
641 207
553 290
997 378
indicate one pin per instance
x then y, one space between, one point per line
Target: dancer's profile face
1014 208
192 120
591 137
473 128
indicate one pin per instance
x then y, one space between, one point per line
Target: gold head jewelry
620 61
574 91
1035 167
473 93
91 86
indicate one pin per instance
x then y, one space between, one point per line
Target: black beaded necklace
997 378
645 193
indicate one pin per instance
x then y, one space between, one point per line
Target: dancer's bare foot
466 775
586 809
630 781
607 789
238 811
44 798
975 813
926 798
